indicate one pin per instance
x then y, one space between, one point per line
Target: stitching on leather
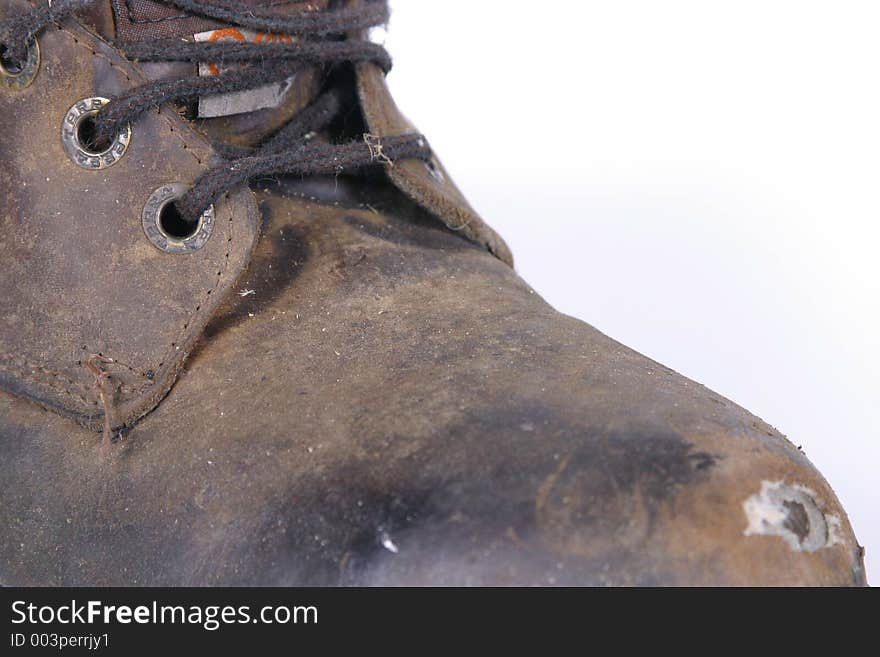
169 350
158 111
220 274
22 362
30 374
118 363
27 371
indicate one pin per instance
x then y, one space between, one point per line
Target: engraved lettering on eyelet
161 239
77 151
21 78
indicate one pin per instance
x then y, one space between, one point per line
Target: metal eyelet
20 76
78 152
161 230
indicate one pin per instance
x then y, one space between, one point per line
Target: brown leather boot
332 376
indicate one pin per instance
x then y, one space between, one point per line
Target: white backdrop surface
699 180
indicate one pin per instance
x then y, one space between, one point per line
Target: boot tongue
244 118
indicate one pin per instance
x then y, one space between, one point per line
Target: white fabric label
240 102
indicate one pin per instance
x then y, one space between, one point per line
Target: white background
698 179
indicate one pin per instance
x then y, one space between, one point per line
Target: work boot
252 334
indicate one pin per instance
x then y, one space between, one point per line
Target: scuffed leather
79 275
387 383
382 402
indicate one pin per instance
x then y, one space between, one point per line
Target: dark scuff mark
460 494
278 261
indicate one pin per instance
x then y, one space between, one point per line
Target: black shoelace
296 148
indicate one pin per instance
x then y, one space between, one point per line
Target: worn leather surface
388 386
379 401
427 184
79 275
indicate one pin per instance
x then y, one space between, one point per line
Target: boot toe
577 506
395 407
583 527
